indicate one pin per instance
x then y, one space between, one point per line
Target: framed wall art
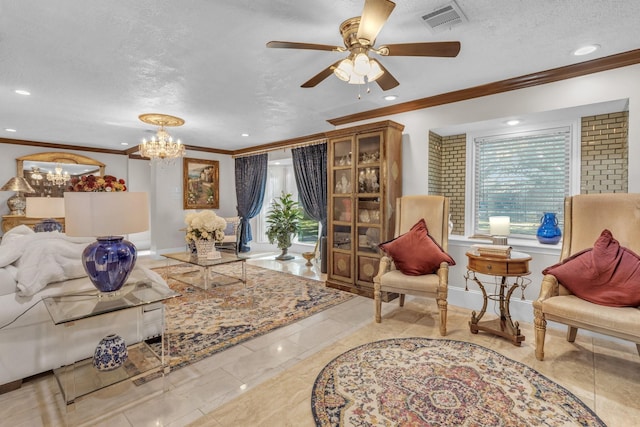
201 184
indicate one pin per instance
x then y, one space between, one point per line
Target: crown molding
543 77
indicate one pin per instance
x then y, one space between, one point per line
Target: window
281 179
521 175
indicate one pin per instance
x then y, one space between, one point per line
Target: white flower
204 225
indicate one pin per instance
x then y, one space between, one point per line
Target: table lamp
46 208
107 216
499 229
16 202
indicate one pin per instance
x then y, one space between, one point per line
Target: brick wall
435 163
447 164
604 162
604 154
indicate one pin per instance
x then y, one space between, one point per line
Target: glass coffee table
205 275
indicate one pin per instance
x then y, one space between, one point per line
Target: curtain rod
282 147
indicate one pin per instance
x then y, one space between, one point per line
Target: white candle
499 225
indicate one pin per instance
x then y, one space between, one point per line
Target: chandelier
161 147
59 177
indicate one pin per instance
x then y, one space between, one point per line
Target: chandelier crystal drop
162 147
59 177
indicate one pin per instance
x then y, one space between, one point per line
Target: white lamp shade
361 64
499 225
375 72
356 79
94 214
344 70
45 207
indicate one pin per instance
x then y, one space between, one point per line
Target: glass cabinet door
368 170
342 152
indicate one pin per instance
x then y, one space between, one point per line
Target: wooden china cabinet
365 178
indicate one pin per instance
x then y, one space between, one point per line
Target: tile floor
267 381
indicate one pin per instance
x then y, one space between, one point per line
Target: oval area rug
435 382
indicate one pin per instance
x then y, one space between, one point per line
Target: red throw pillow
416 253
607 274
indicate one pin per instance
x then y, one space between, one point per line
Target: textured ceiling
94 66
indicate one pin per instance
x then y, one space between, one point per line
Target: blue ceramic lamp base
47 225
108 262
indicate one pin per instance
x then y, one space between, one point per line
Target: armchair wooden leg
540 325
442 307
638 348
401 300
377 296
571 333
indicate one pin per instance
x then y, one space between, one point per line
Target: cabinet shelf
359 193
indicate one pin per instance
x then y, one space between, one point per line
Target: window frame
574 126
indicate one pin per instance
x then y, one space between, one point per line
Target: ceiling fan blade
386 81
313 81
444 49
294 45
374 16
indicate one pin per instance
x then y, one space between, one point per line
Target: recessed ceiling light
22 92
390 97
124 143
244 134
513 122
10 130
585 50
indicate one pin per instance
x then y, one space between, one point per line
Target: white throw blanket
44 258
41 258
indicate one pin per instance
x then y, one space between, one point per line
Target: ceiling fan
359 35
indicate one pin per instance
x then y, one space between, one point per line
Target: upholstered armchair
409 211
585 218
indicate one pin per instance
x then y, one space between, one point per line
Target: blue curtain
251 179
310 170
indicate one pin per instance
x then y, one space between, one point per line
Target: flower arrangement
97 183
204 225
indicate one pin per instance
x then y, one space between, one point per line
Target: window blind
521 176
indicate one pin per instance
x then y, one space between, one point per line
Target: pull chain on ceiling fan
359 36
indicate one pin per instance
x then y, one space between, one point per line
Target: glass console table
80 378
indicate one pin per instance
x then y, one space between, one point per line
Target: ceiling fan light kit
359 35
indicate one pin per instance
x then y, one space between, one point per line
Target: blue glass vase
549 233
108 262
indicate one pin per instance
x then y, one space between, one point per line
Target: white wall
163 183
595 88
167 214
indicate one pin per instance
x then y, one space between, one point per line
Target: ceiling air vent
443 17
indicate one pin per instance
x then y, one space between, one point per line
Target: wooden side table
516 266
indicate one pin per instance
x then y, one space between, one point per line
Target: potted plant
283 223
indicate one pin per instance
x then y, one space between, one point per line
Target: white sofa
37 266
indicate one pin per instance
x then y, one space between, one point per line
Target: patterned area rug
200 323
433 382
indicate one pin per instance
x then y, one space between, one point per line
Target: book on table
497 251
